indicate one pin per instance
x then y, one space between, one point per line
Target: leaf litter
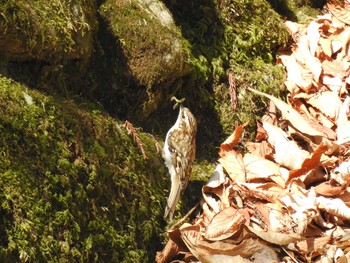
287 199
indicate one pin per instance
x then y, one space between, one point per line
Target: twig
233 92
185 217
292 258
132 131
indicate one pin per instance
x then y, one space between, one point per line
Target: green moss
155 50
74 186
54 30
250 108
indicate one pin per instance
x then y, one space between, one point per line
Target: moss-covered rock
74 185
156 52
46 30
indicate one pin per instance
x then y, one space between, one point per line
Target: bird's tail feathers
173 198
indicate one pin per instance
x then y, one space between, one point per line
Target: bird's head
186 120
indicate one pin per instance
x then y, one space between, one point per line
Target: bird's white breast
168 155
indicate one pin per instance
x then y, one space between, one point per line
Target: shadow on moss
74 186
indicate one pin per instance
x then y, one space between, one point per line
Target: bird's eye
183 115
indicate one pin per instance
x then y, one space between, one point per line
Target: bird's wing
182 156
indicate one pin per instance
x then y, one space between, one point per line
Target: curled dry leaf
233 139
334 207
225 224
341 174
278 138
304 55
262 149
292 115
328 189
214 191
296 73
343 129
202 248
232 162
169 251
258 168
313 36
329 98
275 237
310 163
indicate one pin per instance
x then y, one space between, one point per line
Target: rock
155 50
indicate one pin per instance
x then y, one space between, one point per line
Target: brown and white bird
178 153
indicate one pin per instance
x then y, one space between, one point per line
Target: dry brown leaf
313 36
334 207
292 115
233 164
174 245
344 37
276 237
303 56
259 168
262 149
327 132
311 245
328 189
225 224
328 102
223 258
207 214
270 192
212 197
340 9
298 103
334 68
317 175
296 74
217 178
341 174
287 153
231 160
334 83
309 163
214 191
345 196
302 208
291 87
175 235
343 124
202 248
336 45
232 140
326 46
294 28
328 124
169 251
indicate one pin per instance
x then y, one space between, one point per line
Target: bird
179 153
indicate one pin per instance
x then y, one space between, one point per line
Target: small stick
185 217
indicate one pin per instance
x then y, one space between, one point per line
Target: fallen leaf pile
287 199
